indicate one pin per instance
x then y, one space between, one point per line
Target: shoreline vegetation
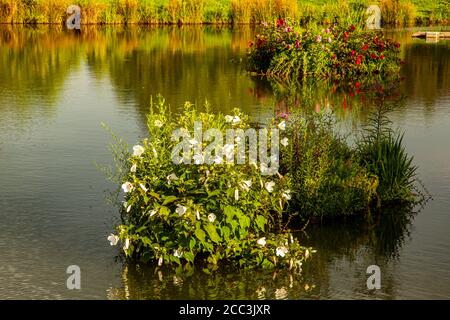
393 12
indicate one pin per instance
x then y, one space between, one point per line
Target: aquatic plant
383 153
284 50
327 177
176 213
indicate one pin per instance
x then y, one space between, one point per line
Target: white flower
152 213
281 251
127 244
236 194
171 177
198 215
286 194
125 204
113 239
127 187
160 261
236 120
178 254
138 150
198 159
284 141
155 153
238 139
282 125
269 186
158 123
228 118
128 208
181 209
133 167
211 217
329 40
246 184
143 187
261 241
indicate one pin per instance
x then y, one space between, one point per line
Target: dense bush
181 213
286 51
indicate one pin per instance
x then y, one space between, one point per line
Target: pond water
57 87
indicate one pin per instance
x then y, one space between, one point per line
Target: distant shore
393 12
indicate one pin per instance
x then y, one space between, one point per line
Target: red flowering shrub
283 50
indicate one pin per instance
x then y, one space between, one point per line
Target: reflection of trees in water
149 282
376 240
338 269
428 71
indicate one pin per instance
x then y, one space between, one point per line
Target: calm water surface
56 88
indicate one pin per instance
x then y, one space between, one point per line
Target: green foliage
286 51
328 179
186 213
383 153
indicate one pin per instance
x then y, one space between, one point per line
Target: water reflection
361 243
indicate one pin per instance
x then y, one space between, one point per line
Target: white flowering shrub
177 213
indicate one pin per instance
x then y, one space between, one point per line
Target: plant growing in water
286 51
382 152
181 213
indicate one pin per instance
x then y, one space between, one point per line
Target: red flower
353 53
346 36
280 22
359 59
365 47
352 28
382 57
373 56
397 45
358 85
297 44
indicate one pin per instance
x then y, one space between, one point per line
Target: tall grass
383 153
257 11
396 12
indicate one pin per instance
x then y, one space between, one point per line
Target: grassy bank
397 12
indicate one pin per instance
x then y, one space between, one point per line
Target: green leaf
138 230
261 222
189 256
229 212
164 211
155 195
212 232
192 243
200 234
226 232
169 199
214 193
